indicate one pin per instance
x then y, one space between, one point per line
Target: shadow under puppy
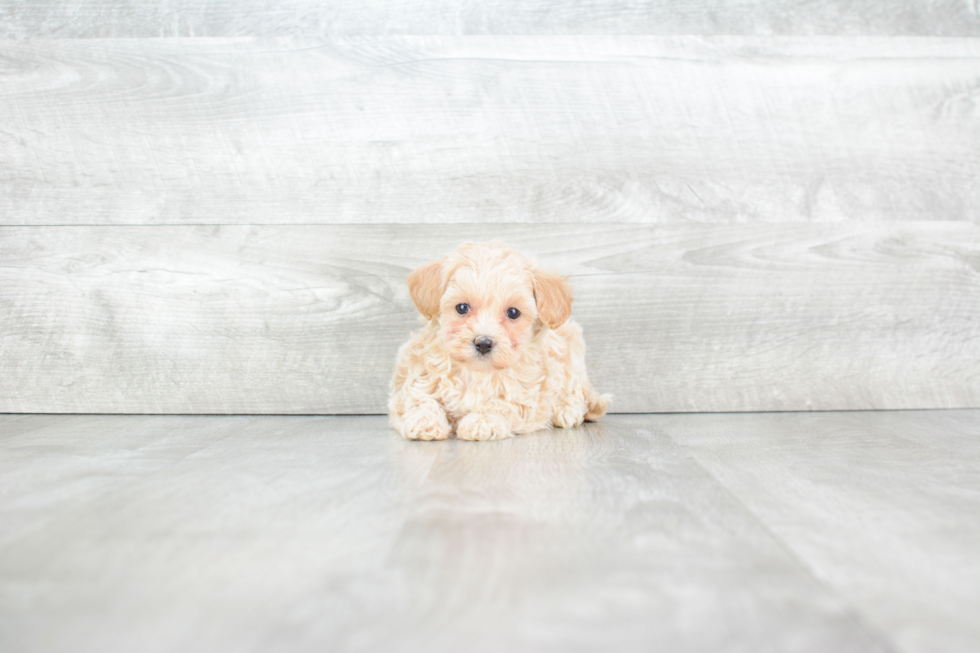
498 355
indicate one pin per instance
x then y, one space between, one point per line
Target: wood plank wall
211 207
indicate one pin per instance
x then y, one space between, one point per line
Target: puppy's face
487 315
488 301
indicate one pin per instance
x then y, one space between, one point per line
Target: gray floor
708 532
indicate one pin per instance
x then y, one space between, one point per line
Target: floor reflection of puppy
498 356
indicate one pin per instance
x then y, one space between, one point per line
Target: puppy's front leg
425 420
483 426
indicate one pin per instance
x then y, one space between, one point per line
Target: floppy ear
425 285
553 296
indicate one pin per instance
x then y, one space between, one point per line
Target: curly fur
534 376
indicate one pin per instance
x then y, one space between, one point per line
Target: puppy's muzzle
483 345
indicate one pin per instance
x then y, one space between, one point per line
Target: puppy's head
488 301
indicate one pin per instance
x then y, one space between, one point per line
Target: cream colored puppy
498 355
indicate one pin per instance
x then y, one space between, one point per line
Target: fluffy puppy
498 355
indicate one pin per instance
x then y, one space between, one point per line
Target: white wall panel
497 129
192 18
307 319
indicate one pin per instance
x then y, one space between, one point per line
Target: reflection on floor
710 532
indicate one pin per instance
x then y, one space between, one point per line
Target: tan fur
424 286
534 376
553 297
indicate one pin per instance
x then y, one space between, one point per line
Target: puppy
498 355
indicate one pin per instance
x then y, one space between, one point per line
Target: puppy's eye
462 309
513 313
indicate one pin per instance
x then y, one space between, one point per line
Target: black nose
483 344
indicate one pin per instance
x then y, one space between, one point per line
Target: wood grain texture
307 319
189 18
489 129
906 486
313 534
54 463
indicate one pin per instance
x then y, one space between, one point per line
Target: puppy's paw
568 416
478 426
598 404
425 424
